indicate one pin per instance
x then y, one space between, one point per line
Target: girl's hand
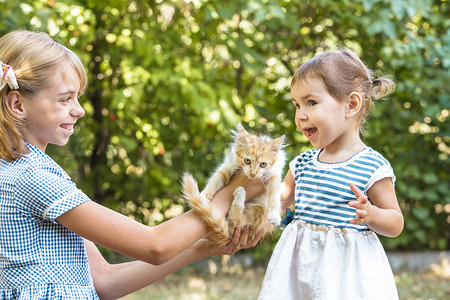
239 241
362 206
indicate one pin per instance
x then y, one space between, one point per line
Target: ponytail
383 87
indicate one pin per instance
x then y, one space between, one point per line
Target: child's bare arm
383 215
287 191
157 244
117 280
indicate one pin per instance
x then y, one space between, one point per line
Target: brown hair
343 73
33 56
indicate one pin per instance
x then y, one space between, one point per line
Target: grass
433 283
241 283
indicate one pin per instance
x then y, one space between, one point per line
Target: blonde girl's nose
77 110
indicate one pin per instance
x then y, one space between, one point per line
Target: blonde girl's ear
354 104
14 101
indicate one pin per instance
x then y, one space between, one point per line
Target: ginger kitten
258 157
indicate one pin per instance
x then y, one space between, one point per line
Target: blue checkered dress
40 259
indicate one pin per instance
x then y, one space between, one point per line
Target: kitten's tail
213 219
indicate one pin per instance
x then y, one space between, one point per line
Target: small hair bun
383 87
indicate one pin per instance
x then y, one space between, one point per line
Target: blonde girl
343 190
48 226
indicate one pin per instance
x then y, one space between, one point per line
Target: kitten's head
256 154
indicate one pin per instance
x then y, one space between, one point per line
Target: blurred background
169 79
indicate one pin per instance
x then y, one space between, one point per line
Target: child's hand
239 241
362 206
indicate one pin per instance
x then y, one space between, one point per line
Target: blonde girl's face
50 116
318 115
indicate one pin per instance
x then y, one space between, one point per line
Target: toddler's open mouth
309 132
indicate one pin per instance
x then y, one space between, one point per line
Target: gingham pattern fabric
322 190
40 259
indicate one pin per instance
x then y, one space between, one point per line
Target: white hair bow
7 77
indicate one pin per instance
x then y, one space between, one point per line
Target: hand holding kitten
240 240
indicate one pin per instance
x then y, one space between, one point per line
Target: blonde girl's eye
312 102
263 164
297 106
247 161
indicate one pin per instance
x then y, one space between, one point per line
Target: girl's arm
155 245
117 280
287 191
384 215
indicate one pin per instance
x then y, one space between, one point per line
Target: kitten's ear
241 130
240 135
277 144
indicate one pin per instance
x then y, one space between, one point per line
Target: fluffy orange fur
257 156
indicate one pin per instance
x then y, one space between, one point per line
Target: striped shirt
322 190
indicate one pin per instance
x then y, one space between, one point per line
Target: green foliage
168 79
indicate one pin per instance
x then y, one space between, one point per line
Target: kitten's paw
274 219
208 195
239 195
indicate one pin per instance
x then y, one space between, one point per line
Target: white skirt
320 262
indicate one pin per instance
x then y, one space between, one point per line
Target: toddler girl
343 190
48 227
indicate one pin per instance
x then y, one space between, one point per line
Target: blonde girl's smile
68 128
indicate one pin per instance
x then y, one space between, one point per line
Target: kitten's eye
263 164
247 161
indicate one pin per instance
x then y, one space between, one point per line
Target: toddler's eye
263 164
247 161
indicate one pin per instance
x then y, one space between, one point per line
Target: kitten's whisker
263 180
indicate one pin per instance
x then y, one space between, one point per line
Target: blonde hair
33 56
343 73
